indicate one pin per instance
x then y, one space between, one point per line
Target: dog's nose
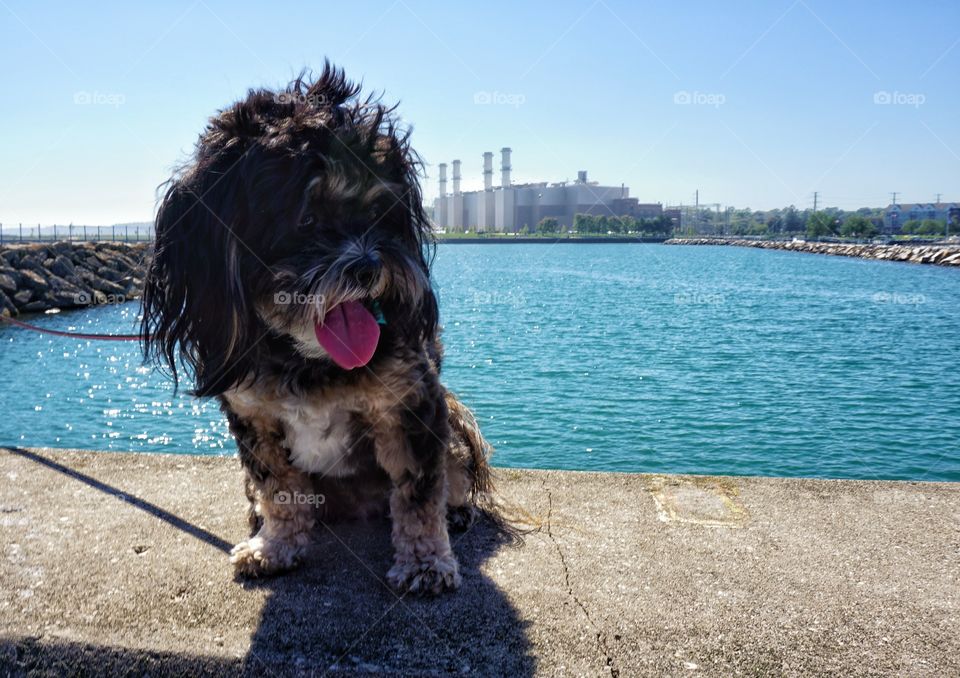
366 270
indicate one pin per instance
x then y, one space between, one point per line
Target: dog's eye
307 221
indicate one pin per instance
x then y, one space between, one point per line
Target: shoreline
527 239
935 255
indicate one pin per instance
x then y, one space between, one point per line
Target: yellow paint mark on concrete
713 502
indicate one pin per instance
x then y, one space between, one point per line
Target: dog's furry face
296 201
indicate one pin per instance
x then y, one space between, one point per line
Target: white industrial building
509 207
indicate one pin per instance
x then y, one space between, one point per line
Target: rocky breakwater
939 255
38 277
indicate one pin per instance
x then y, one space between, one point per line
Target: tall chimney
443 180
456 177
505 167
488 171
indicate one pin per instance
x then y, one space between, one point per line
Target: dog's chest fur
319 432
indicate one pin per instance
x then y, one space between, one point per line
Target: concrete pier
117 563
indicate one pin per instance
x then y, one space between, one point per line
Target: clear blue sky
783 93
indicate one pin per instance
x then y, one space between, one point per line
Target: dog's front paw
431 575
257 557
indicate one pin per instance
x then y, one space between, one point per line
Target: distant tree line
830 222
863 223
924 227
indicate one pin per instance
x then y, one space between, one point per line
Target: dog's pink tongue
349 334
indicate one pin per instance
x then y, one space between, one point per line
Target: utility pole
816 194
894 195
696 209
938 197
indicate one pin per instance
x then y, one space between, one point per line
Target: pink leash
73 335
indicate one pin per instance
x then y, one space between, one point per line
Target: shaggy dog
291 277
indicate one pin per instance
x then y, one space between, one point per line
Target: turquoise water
604 357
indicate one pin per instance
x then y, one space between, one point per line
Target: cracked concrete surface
600 635
117 563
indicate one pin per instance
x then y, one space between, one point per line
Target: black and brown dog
291 277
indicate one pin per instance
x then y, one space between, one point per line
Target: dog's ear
195 302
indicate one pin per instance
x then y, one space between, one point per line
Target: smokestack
443 180
488 171
456 177
505 167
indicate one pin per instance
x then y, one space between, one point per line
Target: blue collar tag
378 312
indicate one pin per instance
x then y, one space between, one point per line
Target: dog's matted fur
291 276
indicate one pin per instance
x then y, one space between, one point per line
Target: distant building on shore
896 215
509 207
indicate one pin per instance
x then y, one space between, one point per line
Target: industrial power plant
511 207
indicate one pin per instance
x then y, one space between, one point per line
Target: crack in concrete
601 637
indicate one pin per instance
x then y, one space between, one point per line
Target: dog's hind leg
281 522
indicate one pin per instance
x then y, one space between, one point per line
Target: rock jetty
939 255
38 277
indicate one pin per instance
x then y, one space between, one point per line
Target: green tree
774 222
583 223
548 225
931 227
910 226
793 222
858 226
820 224
660 225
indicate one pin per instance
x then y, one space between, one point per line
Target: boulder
106 259
11 272
34 281
7 307
109 288
7 284
134 287
22 297
35 307
68 298
62 266
31 262
109 274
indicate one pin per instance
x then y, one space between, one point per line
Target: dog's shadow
336 615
